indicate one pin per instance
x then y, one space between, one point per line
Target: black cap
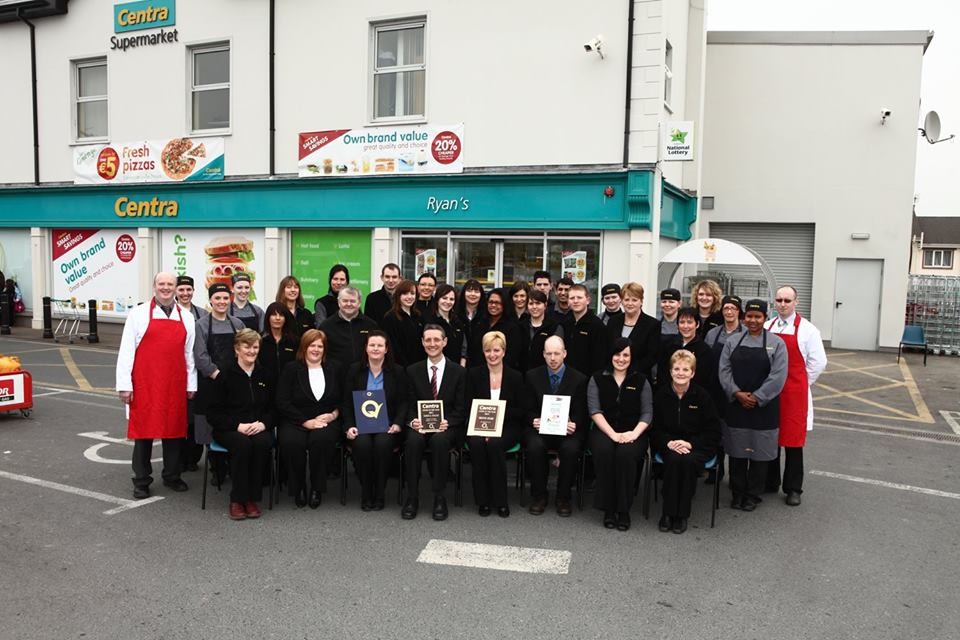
237 277
734 300
608 289
184 280
756 305
670 294
218 287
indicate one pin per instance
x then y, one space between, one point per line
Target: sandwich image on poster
227 256
486 418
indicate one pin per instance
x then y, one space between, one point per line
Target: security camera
884 114
594 44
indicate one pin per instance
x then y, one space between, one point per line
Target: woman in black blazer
372 451
494 381
404 325
308 399
642 330
442 313
280 341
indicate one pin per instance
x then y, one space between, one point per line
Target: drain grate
932 436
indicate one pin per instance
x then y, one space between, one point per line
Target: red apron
793 398
159 407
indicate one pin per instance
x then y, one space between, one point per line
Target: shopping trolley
68 314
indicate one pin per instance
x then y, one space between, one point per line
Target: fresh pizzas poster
176 160
211 256
95 264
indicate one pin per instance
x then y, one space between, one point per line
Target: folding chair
652 477
214 447
913 337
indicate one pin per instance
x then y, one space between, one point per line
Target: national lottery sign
176 160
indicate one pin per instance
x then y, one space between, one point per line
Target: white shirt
494 394
441 366
811 348
133 331
318 383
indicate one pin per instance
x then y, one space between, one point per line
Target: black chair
653 478
346 451
214 448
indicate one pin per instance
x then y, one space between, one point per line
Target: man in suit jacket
436 378
555 378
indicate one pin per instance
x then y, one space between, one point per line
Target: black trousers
248 461
440 445
143 470
680 474
747 477
191 452
295 443
489 464
616 467
536 449
792 471
372 453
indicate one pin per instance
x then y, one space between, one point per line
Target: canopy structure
715 251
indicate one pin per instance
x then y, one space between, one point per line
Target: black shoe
736 503
409 511
300 499
191 466
503 512
749 503
679 525
609 519
483 510
666 523
564 510
366 506
538 506
793 499
177 485
377 505
314 499
439 508
623 521
140 493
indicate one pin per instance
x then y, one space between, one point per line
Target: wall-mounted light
859 236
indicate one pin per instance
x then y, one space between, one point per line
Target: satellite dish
931 128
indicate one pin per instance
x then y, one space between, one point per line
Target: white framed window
668 75
938 258
210 87
399 71
90 100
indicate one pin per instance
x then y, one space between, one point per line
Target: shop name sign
144 14
125 207
436 205
677 141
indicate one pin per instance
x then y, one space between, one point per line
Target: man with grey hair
347 330
155 377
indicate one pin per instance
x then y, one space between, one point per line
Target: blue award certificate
370 410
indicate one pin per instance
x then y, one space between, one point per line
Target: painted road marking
495 556
922 412
123 503
953 419
918 435
52 393
75 370
92 453
889 485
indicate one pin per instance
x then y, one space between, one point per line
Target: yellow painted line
922 411
852 396
75 370
863 414
864 371
859 391
842 369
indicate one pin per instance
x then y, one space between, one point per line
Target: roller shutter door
787 249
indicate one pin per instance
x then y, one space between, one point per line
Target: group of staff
699 381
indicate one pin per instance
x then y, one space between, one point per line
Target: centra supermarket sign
144 14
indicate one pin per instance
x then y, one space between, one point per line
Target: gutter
629 87
33 83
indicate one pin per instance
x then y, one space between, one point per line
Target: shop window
424 254
399 71
90 99
668 75
210 88
938 258
578 259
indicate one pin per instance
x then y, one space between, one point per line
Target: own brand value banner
312 253
177 160
96 264
381 151
211 256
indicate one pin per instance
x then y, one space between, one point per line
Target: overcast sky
938 166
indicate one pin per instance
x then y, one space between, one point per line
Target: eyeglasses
495 303
782 300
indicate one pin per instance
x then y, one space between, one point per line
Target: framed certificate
370 411
486 418
430 413
554 415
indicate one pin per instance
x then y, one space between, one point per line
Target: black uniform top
346 339
644 340
706 362
512 391
274 356
237 397
394 388
692 418
534 339
304 321
715 319
295 400
623 406
377 305
510 331
587 344
573 384
406 337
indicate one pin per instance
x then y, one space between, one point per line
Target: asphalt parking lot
872 552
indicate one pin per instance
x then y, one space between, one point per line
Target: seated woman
621 404
372 451
308 400
494 381
241 414
686 434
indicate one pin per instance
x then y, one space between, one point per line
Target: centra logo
145 14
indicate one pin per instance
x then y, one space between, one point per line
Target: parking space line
888 485
953 419
75 370
124 504
495 556
923 412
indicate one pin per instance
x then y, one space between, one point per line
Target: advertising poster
15 261
426 261
210 256
177 160
313 252
96 264
575 266
381 151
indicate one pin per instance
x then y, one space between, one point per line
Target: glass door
475 259
520 259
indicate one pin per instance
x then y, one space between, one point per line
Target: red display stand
16 392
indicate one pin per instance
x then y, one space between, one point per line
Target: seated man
555 378
436 378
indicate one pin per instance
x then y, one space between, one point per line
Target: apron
159 407
250 322
220 348
751 433
794 397
716 391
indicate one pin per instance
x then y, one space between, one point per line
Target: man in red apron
806 360
155 376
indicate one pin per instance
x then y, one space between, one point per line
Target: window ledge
210 133
86 142
382 122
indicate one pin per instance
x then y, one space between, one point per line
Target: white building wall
794 135
16 164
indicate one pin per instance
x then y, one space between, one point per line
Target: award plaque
554 415
370 411
486 418
430 413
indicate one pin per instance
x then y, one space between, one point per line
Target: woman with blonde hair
706 297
